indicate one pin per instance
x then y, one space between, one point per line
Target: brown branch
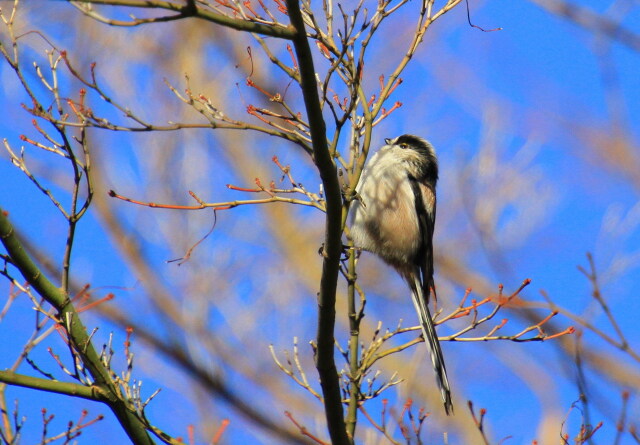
592 275
593 328
218 435
380 427
303 430
371 354
217 205
325 362
479 420
193 11
211 382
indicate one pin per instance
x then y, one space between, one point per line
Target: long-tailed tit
394 218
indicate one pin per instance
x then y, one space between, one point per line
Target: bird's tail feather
431 338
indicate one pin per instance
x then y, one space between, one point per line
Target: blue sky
533 89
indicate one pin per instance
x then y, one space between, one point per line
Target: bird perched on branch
394 218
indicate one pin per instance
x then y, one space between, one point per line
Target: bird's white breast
385 221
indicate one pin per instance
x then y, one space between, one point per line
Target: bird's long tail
431 338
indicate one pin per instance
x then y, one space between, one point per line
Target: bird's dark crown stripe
411 140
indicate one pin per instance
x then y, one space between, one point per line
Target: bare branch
190 10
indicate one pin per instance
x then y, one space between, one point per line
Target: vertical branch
325 362
354 352
74 217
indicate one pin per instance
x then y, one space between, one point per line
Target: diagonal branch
176 353
592 21
76 330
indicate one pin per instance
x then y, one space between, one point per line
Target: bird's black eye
404 145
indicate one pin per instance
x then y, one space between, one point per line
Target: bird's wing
421 283
425 205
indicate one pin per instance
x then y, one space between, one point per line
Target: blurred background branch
536 130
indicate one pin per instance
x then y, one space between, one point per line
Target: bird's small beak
387 141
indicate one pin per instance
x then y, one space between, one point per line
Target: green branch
325 362
355 377
68 388
193 11
23 262
76 331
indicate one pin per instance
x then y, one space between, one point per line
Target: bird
393 216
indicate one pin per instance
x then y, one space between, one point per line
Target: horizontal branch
94 122
280 31
514 338
66 388
219 205
372 353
